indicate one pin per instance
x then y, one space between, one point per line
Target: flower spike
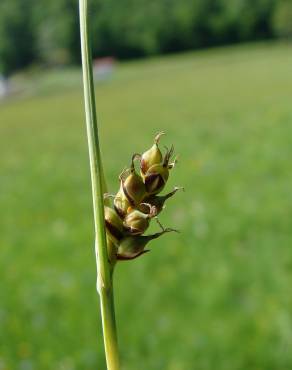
137 202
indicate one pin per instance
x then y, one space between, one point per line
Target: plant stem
104 268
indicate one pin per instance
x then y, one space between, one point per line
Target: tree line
47 32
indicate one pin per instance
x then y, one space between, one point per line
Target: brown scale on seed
113 224
121 202
158 201
132 247
157 175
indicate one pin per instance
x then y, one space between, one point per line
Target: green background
215 296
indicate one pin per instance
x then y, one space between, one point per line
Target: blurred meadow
215 296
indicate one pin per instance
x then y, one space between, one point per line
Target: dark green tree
47 31
17 40
57 29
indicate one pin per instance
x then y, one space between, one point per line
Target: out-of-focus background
217 295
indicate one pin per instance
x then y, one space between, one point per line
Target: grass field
217 295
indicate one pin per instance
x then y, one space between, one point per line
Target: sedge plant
120 227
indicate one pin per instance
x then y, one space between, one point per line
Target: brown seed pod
114 225
132 184
121 203
151 156
132 247
112 250
137 222
157 175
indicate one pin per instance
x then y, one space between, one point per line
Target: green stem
104 268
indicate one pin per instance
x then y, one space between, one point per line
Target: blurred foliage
48 32
17 35
57 28
215 296
283 19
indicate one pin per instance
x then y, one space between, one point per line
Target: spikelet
137 202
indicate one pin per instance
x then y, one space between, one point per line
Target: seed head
137 202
